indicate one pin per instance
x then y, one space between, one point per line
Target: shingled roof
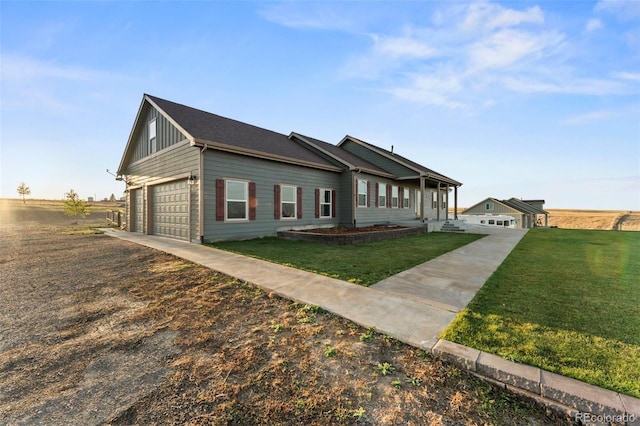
418 168
206 127
344 156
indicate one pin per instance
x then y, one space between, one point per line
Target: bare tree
24 190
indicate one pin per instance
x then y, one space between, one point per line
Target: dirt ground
97 331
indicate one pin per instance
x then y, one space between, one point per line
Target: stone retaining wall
350 238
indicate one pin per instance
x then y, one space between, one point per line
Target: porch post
455 202
422 199
446 213
438 206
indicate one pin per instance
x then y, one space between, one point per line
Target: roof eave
260 154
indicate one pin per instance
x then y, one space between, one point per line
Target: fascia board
260 154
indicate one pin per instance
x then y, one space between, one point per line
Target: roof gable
346 158
512 203
413 169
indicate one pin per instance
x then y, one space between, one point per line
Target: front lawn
567 301
364 264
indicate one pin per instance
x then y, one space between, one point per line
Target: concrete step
450 227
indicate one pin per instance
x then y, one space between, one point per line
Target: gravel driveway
67 347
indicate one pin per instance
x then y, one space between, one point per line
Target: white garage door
170 210
138 210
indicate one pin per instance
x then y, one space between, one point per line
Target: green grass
363 264
567 301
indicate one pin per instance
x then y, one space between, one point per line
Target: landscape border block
632 408
460 355
521 375
582 396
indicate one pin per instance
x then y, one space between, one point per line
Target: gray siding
378 160
372 215
265 174
173 163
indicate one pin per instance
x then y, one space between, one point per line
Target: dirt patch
95 330
341 230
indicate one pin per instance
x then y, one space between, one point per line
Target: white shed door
170 210
138 210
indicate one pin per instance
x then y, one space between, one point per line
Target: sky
525 99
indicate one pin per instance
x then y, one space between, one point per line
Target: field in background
51 212
620 220
595 219
39 210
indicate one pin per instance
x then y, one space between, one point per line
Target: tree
74 206
24 190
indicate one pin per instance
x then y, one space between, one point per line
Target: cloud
485 16
320 18
18 68
566 84
35 82
622 9
438 88
588 117
506 47
632 76
402 47
593 25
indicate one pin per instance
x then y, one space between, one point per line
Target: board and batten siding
265 174
379 160
166 134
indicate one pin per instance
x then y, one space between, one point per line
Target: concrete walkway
414 306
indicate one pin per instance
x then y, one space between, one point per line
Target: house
200 177
525 212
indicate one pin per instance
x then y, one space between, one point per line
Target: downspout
354 195
201 195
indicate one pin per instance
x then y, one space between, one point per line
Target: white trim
295 202
226 201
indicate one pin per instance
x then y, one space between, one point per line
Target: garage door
138 210
170 210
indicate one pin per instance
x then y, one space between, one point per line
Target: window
237 194
394 197
499 223
326 203
405 198
488 206
483 221
434 202
288 201
362 193
444 201
151 146
492 222
382 195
